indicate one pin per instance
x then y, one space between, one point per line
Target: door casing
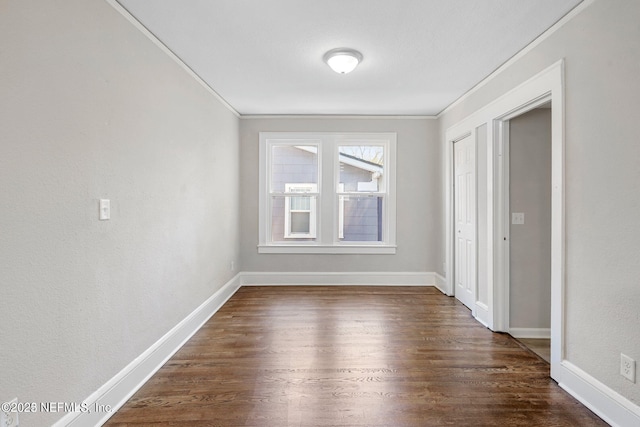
543 87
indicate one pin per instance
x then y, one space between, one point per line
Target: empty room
336 213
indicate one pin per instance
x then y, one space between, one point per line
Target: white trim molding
544 333
125 383
339 278
328 249
547 85
612 407
335 117
440 283
542 37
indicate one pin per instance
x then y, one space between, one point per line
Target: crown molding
144 30
542 37
336 116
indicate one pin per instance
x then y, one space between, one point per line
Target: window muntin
356 211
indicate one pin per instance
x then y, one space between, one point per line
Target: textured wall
601 49
90 108
418 178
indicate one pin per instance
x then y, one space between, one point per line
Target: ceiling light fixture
343 60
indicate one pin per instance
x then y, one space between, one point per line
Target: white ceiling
265 56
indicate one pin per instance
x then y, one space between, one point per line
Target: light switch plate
517 218
105 209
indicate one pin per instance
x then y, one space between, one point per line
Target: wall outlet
628 367
232 266
9 418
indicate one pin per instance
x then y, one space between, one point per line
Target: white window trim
328 240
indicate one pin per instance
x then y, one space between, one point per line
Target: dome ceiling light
343 60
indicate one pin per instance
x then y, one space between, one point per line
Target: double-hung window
300 211
327 193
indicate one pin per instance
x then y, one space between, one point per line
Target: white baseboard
482 314
530 332
440 283
339 278
123 385
613 408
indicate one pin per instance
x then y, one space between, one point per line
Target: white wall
601 48
418 183
90 108
530 243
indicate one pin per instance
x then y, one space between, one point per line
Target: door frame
493 313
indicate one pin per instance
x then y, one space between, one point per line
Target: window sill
337 249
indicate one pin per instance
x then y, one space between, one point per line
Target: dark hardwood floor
350 356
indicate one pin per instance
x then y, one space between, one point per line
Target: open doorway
528 151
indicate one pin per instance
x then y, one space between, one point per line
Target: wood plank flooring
540 346
350 356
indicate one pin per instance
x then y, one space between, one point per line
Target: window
327 193
300 211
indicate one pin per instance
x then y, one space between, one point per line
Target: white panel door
465 221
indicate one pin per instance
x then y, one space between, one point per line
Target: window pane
361 168
360 218
300 203
300 222
293 164
289 224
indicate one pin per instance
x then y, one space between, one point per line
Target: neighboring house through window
300 212
327 193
